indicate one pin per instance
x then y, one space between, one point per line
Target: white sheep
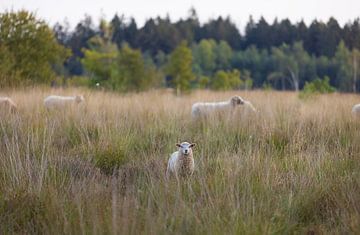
6 103
356 110
54 101
202 109
181 162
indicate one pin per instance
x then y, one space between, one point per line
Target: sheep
181 162
356 110
202 109
6 103
54 101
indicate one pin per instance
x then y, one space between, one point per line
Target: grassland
99 168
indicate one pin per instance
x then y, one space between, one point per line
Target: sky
239 11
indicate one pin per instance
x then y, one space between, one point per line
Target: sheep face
237 100
79 98
185 148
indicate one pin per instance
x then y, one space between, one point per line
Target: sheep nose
186 151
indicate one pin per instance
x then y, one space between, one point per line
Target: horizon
73 12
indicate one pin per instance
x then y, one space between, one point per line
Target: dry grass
99 168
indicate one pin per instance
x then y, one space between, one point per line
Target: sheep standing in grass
181 162
7 104
202 109
356 110
55 101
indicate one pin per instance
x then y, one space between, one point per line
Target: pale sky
239 11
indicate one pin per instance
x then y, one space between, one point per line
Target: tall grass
99 168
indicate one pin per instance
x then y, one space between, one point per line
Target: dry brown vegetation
99 168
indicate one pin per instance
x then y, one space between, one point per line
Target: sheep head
79 98
185 148
237 100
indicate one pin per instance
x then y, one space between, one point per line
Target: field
99 168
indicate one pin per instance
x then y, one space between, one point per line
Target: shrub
109 158
226 80
318 86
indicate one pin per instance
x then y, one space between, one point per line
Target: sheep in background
181 162
55 101
202 109
356 110
6 103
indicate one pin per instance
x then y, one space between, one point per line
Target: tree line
185 54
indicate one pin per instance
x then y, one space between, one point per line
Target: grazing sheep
181 162
356 110
55 101
202 109
7 104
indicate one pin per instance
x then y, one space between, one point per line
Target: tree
312 42
98 64
204 57
222 29
121 70
258 62
246 78
355 53
351 35
78 40
99 58
180 68
290 63
331 38
301 31
343 62
189 27
131 73
28 50
124 32
258 34
226 80
158 34
223 54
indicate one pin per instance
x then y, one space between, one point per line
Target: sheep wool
356 110
181 162
202 109
7 104
61 101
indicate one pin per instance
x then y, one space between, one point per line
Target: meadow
99 168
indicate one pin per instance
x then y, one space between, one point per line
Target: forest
90 116
184 54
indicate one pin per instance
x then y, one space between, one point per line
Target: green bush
318 86
203 82
226 80
110 158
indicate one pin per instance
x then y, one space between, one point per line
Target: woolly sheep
202 109
181 162
356 110
54 101
7 104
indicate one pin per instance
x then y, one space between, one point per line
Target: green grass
100 168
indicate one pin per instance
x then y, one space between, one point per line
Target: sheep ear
178 145
192 145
